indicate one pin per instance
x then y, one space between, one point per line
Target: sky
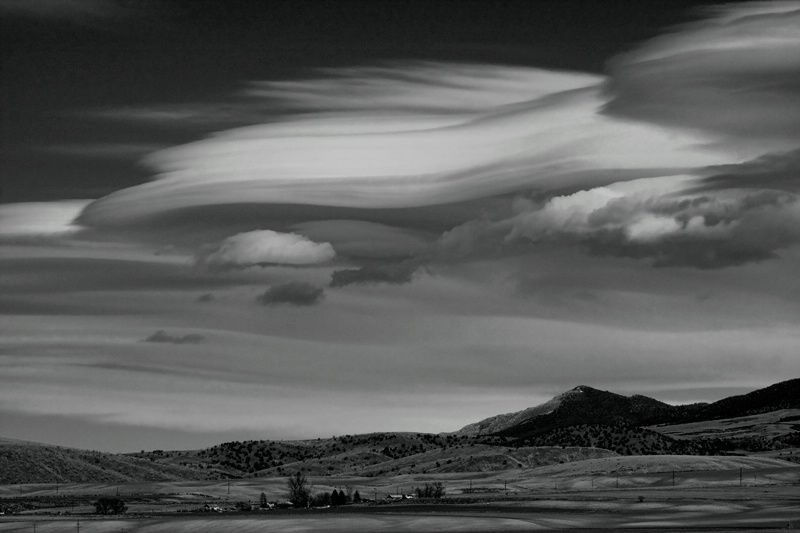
278 220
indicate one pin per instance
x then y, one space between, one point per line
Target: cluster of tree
110 506
431 490
298 491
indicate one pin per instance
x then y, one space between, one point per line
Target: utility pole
79 526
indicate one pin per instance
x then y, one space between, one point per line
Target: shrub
243 506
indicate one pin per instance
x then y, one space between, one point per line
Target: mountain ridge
587 405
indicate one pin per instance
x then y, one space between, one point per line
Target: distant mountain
581 405
588 406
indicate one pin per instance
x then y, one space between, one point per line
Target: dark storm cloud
393 273
294 293
163 336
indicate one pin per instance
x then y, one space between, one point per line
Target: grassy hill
30 462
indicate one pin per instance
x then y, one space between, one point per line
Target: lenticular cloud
438 139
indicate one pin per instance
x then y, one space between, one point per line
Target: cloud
40 219
734 74
265 247
659 221
351 155
162 336
293 292
494 131
394 273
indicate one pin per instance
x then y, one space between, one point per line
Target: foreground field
655 492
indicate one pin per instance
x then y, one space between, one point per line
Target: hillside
374 454
31 462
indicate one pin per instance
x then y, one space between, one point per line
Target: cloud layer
734 75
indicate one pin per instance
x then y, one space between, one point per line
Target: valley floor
639 494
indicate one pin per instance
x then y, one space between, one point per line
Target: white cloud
266 247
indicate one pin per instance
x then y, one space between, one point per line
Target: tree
356 497
109 506
322 499
431 490
298 490
243 506
263 501
335 501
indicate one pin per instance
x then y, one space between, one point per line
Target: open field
623 492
